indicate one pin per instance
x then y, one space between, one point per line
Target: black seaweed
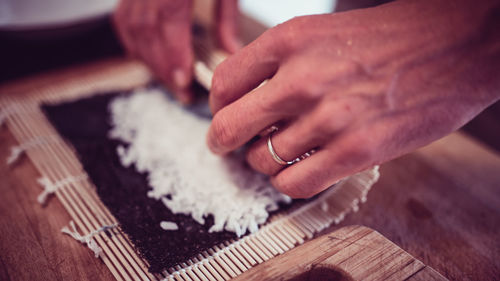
85 124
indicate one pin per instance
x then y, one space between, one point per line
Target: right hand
159 33
360 88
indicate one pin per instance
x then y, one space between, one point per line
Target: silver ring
278 159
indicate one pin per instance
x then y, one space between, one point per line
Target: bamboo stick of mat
56 160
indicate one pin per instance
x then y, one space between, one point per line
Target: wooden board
349 253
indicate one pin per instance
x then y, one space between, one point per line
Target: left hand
159 33
363 87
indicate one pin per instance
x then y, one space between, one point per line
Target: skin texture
159 33
362 87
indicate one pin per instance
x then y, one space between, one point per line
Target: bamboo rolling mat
58 165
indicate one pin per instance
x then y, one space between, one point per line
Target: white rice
168 143
168 225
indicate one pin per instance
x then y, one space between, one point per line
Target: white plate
38 15
24 15
273 12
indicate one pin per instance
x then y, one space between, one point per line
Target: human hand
159 33
361 87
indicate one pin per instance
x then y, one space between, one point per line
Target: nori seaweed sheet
85 124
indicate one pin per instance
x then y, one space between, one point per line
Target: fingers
166 70
159 33
280 99
175 34
308 177
273 102
243 72
140 29
330 164
121 25
288 143
227 25
236 124
315 130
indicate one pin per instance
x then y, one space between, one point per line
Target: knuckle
301 84
333 116
326 122
284 31
288 95
359 153
223 134
314 89
276 41
287 34
304 93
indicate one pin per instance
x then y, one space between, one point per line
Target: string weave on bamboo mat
139 249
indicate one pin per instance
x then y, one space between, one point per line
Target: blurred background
37 36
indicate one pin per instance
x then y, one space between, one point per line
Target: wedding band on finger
279 160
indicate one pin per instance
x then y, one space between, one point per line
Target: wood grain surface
440 203
32 246
349 253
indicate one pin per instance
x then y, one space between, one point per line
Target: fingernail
180 78
210 144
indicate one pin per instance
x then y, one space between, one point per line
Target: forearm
439 53
447 69
463 46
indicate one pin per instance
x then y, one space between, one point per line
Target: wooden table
440 203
